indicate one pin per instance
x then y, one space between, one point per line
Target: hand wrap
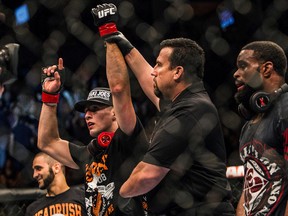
51 98
122 42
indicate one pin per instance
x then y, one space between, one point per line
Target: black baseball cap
96 96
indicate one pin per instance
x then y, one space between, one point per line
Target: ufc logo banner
106 11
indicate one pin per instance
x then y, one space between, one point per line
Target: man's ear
267 69
113 113
57 168
179 72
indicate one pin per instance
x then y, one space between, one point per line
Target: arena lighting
22 14
225 16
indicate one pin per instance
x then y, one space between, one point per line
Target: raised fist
52 81
105 16
52 78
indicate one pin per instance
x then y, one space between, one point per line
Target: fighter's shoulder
36 204
282 105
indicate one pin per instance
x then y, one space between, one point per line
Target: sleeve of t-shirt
136 143
28 211
79 154
35 206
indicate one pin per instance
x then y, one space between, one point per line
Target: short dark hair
186 53
50 160
269 51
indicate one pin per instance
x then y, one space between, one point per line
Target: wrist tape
108 28
50 98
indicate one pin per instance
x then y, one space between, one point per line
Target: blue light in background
22 14
226 18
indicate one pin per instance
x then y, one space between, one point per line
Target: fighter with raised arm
119 139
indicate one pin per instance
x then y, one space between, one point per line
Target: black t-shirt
71 202
264 152
107 170
188 140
